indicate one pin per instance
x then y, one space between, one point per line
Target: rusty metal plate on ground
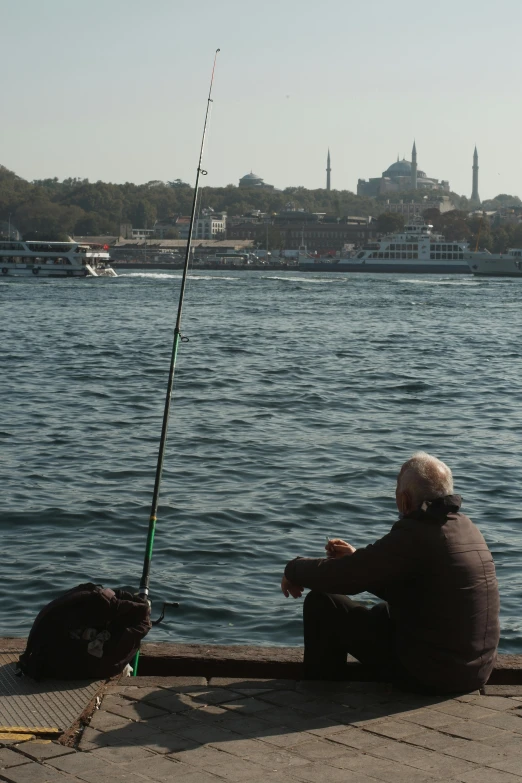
50 704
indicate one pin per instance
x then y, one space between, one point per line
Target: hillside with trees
76 207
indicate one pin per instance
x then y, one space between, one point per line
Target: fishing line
178 337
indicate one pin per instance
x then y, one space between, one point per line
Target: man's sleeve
391 559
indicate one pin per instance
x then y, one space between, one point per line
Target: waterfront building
401 176
413 209
182 226
319 233
210 225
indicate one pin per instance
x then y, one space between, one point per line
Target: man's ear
404 502
407 503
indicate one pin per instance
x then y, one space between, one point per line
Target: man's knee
315 602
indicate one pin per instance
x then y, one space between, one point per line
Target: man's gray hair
425 478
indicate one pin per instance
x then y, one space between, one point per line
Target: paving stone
202 756
169 722
35 773
160 768
286 698
508 742
284 739
164 743
503 690
503 720
209 713
239 747
112 774
9 758
196 776
430 718
136 710
392 728
247 706
205 733
327 728
477 752
91 739
387 770
319 749
78 763
471 730
434 740
131 734
430 761
38 750
270 757
463 710
330 709
236 769
511 764
499 703
490 776
359 739
246 726
120 754
106 721
214 696
320 773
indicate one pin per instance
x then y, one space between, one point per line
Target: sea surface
297 398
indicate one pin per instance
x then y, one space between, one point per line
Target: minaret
414 167
328 170
475 194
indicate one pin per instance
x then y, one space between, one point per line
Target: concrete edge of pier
168 659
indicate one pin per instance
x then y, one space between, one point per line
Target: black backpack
87 633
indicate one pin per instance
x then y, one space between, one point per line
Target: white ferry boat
53 259
416 250
506 265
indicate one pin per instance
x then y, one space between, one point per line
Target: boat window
461 256
437 256
415 255
361 254
386 255
432 256
11 246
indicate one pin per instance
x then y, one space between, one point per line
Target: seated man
439 627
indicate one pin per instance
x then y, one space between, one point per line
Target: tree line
54 209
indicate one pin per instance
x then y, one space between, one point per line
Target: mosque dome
401 168
251 180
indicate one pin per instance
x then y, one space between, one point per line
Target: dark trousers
335 625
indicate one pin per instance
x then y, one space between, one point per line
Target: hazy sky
116 89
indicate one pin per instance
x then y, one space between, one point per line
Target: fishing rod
145 577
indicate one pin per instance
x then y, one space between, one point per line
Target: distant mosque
401 175
253 181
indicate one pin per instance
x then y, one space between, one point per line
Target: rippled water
296 400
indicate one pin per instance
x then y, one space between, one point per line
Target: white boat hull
504 266
37 271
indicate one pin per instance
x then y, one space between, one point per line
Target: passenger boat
416 249
54 259
506 265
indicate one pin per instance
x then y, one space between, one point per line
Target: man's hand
288 588
337 548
